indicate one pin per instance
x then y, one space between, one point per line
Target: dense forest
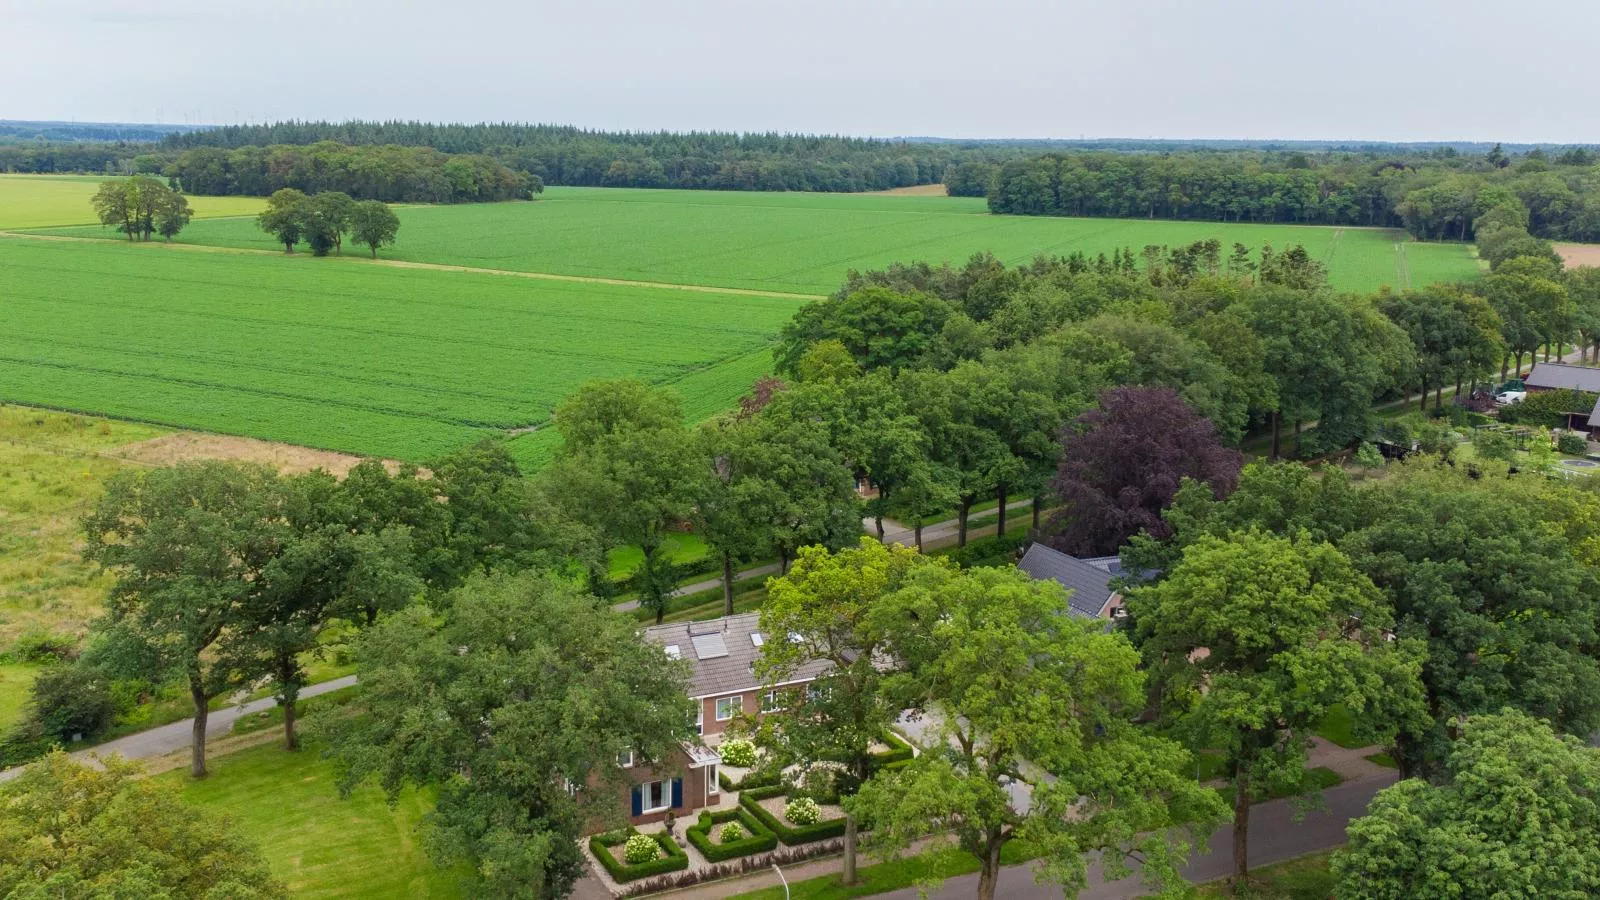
387 173
1435 197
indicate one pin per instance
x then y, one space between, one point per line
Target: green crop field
806 243
375 360
37 201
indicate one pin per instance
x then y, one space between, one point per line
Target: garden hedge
760 839
750 800
600 845
752 780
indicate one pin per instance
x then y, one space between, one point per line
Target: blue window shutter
638 801
677 792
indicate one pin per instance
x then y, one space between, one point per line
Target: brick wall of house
694 797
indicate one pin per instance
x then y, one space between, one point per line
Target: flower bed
673 857
705 834
751 800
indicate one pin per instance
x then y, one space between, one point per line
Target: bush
752 836
1494 445
38 645
756 779
1573 444
1548 408
899 751
640 848
1368 457
740 754
802 811
70 701
670 859
750 799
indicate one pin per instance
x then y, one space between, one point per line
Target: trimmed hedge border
899 751
790 835
761 837
676 859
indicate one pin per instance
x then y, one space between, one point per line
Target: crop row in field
39 201
371 360
807 243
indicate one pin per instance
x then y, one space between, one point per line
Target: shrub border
600 845
791 836
760 839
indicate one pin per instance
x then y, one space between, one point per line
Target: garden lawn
1306 878
807 243
37 201
320 845
50 473
15 681
372 360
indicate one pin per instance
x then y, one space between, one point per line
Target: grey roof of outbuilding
1088 580
1594 416
1557 375
732 673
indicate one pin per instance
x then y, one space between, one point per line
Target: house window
625 760
728 707
814 691
655 796
771 701
711 779
699 717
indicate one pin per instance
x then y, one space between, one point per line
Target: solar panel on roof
672 651
709 646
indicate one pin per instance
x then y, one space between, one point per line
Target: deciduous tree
514 707
1021 693
1254 639
374 225
1516 814
285 217
1122 463
69 830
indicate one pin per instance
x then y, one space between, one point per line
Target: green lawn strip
1318 779
273 716
888 876
681 549
1383 759
320 845
1304 878
16 680
1338 726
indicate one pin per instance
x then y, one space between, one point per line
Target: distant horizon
990 139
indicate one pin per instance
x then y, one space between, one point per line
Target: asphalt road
1274 837
165 739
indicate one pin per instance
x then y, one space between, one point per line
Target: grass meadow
807 243
320 845
373 360
39 201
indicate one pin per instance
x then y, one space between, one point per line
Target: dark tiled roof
1556 375
1088 580
723 653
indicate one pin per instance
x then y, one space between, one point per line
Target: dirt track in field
1579 254
916 190
437 267
184 446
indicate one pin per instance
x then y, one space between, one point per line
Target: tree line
1434 197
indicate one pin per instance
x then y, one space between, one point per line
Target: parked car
1510 397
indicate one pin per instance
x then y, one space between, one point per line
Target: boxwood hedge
750 800
760 837
673 860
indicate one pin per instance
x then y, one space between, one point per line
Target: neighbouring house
724 686
1559 376
1088 580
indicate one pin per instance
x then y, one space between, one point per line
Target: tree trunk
197 749
1241 824
1297 425
961 523
849 874
918 530
1000 525
374 251
1277 434
727 584
1505 360
1519 363
289 688
1038 505
990 873
878 520
1438 396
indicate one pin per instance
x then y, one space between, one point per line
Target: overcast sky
1366 69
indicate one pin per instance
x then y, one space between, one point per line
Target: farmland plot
366 359
807 243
